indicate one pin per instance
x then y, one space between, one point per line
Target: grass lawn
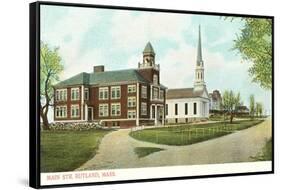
145 151
190 133
67 150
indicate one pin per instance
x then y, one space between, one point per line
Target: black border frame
34 92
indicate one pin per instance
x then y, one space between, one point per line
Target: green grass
145 151
67 150
190 133
266 153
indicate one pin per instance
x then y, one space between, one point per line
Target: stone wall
75 126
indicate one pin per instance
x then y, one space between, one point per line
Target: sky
116 38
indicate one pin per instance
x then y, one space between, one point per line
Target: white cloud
67 33
135 30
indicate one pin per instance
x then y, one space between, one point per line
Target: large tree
230 101
255 45
50 68
252 105
259 109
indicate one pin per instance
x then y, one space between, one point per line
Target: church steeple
199 83
199 49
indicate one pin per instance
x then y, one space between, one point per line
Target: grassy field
190 133
67 150
145 151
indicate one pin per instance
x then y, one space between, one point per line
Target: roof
183 93
104 78
148 48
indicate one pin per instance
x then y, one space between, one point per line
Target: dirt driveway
117 150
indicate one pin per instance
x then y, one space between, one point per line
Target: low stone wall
75 126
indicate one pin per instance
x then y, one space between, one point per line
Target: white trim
58 107
69 121
116 90
72 89
62 92
131 111
111 109
103 89
138 106
103 104
131 86
76 106
82 102
127 119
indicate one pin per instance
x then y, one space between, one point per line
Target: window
167 109
144 91
176 109
103 93
115 92
75 94
61 95
143 108
155 94
115 109
161 97
103 110
131 114
194 108
131 88
61 111
186 108
86 93
131 101
74 110
155 79
115 123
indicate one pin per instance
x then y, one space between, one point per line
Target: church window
176 109
194 108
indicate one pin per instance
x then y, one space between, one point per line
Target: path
117 150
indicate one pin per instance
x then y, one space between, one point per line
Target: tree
252 105
50 68
230 101
255 45
259 109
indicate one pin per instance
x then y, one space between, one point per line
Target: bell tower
199 83
148 56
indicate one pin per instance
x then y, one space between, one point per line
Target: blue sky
116 38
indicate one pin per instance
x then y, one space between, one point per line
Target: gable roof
103 78
183 93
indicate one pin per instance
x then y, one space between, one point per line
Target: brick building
121 98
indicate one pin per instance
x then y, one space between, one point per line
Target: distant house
189 104
242 110
215 100
122 98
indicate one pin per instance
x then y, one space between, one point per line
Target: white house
188 104
215 100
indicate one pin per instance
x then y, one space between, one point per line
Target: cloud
131 31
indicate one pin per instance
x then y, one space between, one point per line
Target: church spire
199 49
199 83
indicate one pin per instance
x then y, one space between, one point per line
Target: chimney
99 69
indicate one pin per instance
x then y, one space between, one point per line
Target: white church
189 104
